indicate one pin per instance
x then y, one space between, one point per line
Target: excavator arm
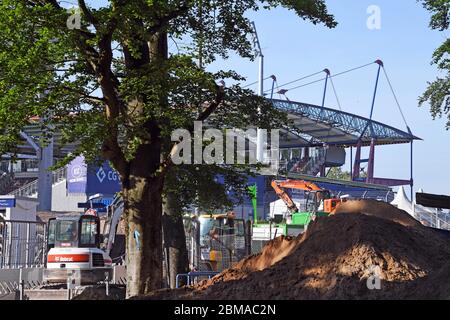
278 186
113 219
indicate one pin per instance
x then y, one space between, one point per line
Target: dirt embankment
340 257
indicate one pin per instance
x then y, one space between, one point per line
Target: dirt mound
340 257
434 286
273 251
378 209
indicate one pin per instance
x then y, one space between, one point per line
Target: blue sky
295 48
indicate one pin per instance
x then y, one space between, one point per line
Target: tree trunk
143 180
142 208
174 241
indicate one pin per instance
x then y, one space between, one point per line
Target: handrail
31 188
319 157
433 216
5 180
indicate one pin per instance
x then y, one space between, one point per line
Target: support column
306 156
351 162
45 155
357 165
412 173
325 87
371 163
323 171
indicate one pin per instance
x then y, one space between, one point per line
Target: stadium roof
314 126
311 126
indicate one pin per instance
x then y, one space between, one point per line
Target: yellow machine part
215 255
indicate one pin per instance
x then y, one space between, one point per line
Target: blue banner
103 180
7 203
88 179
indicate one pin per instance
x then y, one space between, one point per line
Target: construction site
298 235
316 220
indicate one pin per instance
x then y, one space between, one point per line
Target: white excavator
75 247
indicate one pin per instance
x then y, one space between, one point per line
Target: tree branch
213 105
163 21
89 16
99 63
220 94
84 95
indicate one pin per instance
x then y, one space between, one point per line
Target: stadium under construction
317 139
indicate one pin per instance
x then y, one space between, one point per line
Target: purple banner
77 176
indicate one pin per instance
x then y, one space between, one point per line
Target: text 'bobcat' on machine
74 247
319 203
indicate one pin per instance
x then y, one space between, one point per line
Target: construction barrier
219 248
22 244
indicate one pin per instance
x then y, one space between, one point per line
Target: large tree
438 91
111 86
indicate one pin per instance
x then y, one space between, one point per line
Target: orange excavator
318 201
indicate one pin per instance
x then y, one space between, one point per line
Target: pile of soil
340 257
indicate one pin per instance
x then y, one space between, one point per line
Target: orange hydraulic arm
278 186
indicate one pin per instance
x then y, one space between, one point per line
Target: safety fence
22 244
218 248
15 282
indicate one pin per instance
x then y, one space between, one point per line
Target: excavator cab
74 231
321 202
315 200
73 243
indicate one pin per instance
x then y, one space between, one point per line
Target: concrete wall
63 202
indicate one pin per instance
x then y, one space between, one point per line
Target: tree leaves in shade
438 92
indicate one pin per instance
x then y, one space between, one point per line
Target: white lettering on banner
77 171
110 175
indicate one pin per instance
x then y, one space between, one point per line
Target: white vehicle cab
74 250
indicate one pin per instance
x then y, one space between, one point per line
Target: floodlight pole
259 132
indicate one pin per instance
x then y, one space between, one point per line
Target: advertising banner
103 180
7 203
76 176
90 179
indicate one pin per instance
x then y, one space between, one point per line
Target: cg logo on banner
101 174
